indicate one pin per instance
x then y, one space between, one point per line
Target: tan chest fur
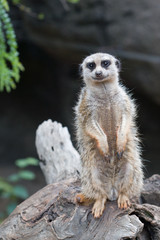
108 113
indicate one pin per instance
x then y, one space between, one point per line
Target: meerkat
107 136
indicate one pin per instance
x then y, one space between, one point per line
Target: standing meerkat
107 136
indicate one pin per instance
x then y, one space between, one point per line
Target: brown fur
107 137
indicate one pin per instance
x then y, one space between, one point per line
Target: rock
71 31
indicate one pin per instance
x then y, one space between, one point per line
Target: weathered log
59 160
151 192
52 212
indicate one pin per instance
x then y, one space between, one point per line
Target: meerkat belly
106 172
108 121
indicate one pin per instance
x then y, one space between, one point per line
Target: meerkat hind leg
98 207
123 201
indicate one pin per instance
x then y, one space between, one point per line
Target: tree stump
59 160
53 214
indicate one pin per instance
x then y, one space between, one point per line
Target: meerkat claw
97 213
98 208
123 202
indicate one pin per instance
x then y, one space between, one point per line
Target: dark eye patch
91 65
105 63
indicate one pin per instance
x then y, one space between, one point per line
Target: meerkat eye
91 65
105 63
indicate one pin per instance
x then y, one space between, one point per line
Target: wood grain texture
52 214
59 160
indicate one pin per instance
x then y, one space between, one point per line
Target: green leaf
22 163
73 1
14 177
16 1
5 186
10 65
5 4
11 207
20 191
28 175
40 16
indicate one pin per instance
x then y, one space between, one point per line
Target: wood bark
53 214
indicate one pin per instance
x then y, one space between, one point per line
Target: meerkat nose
98 74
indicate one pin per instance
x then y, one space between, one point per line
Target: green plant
10 188
10 66
73 1
28 10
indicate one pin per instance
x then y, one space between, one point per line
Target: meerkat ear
118 64
80 69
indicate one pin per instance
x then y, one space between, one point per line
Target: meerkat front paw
123 201
103 149
98 207
121 145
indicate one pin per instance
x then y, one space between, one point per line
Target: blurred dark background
51 50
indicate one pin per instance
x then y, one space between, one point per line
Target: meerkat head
100 68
